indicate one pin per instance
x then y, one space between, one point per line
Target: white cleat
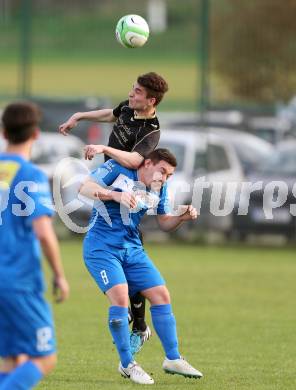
181 367
136 374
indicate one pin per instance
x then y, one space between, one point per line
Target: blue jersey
114 225
24 196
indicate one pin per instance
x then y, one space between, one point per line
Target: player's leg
118 321
163 319
138 307
45 363
136 258
106 269
6 366
142 275
29 346
165 326
119 328
138 310
140 330
29 373
9 363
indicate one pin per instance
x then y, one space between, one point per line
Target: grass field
235 310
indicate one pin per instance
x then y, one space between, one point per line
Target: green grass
235 314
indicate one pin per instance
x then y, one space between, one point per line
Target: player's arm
170 223
93 190
45 233
130 160
104 115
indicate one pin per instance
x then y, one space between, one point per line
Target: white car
219 158
271 129
250 149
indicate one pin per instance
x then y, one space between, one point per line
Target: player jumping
135 134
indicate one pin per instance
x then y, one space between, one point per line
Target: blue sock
165 326
24 377
118 325
3 375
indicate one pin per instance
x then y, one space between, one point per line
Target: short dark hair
155 85
20 120
162 154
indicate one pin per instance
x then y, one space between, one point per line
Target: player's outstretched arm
130 160
105 115
170 223
92 190
45 233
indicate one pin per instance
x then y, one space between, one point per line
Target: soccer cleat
135 373
138 338
180 367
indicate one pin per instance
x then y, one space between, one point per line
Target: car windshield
178 150
268 135
251 154
282 162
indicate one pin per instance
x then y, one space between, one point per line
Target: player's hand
91 150
125 198
189 213
67 126
61 289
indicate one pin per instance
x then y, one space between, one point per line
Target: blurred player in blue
27 340
136 133
116 259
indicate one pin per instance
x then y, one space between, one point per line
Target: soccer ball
132 31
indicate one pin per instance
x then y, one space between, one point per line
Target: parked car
233 119
270 128
288 111
250 149
280 167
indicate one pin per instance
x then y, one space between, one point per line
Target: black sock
130 316
138 310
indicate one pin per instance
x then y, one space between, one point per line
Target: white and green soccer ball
132 31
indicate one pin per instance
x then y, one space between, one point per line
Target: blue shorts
131 266
26 325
